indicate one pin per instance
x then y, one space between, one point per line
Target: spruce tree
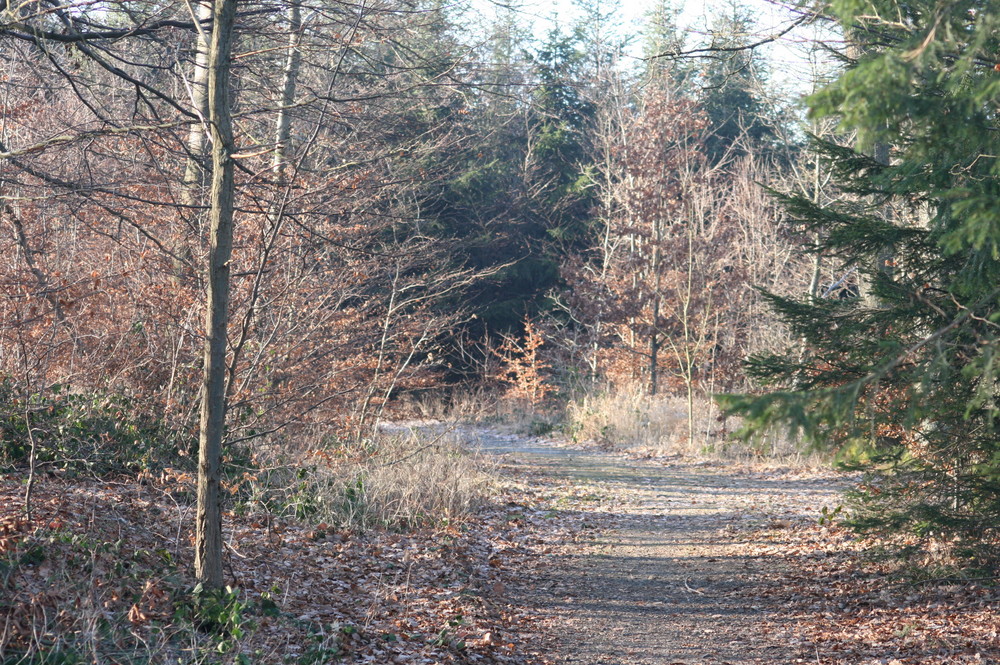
730 90
662 41
561 116
904 380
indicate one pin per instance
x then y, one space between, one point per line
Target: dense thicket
105 177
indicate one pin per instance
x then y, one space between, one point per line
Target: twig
235 551
735 49
833 287
697 591
32 465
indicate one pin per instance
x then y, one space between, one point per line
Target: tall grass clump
395 481
469 404
626 418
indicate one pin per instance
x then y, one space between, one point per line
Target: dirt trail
668 576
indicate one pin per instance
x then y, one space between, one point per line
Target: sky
789 57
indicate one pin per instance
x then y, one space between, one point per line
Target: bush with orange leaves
523 368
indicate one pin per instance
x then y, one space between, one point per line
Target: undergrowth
97 434
94 584
393 481
623 418
74 595
626 418
385 481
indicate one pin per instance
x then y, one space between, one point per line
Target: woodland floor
584 558
710 563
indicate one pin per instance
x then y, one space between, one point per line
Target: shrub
98 433
629 418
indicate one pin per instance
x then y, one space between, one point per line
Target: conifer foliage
904 377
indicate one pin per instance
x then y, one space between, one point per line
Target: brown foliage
332 294
523 368
654 291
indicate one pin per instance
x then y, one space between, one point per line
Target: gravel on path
670 574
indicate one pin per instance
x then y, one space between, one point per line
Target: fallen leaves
118 554
113 552
136 616
847 608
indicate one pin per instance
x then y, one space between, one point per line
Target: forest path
671 571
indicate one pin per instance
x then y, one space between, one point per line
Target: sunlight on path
669 577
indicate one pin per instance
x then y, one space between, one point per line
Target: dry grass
624 418
627 419
471 405
400 480
479 407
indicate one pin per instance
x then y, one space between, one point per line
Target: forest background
426 206
431 207
252 232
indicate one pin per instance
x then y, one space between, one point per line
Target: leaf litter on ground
99 554
106 565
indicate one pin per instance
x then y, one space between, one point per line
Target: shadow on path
667 579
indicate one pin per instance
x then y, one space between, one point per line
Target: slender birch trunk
195 143
654 337
289 78
817 196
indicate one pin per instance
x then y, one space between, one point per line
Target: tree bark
283 130
199 102
208 528
880 153
654 339
191 197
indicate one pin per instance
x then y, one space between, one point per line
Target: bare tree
317 153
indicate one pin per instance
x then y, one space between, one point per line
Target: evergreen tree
561 117
519 194
487 203
662 39
601 40
905 381
731 87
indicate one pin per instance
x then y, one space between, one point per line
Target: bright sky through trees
791 57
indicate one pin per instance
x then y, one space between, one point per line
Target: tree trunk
290 75
883 260
817 196
880 153
654 349
191 198
654 340
195 143
208 528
